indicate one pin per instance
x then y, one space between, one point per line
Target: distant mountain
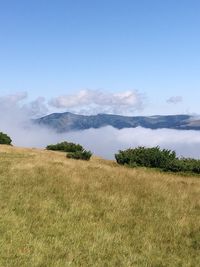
64 122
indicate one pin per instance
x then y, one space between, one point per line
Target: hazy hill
62 212
63 122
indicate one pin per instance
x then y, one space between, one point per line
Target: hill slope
63 122
61 212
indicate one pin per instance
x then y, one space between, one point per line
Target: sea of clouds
16 122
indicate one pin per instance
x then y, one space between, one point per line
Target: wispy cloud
174 99
18 103
37 108
13 99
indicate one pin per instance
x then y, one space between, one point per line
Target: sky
135 57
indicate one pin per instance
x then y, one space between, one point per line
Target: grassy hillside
57 212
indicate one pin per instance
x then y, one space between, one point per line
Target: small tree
5 139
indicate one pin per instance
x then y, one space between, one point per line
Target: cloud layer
96 101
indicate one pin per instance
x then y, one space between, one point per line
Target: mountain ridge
67 121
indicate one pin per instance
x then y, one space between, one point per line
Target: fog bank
16 122
107 141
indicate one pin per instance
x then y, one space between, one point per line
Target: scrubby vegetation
157 158
84 155
184 165
65 147
74 151
5 139
145 157
56 212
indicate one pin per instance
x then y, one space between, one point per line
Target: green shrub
65 147
145 157
184 165
196 166
84 155
5 139
74 151
176 165
192 165
157 158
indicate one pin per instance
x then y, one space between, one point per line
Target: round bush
5 139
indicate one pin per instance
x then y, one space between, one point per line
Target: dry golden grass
58 212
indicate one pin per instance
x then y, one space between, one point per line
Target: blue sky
54 48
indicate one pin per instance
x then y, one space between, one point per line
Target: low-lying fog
105 142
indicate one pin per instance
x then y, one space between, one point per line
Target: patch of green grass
57 212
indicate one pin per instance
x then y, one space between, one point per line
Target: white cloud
96 101
15 103
174 100
37 108
13 99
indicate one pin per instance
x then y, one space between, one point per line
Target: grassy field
57 212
